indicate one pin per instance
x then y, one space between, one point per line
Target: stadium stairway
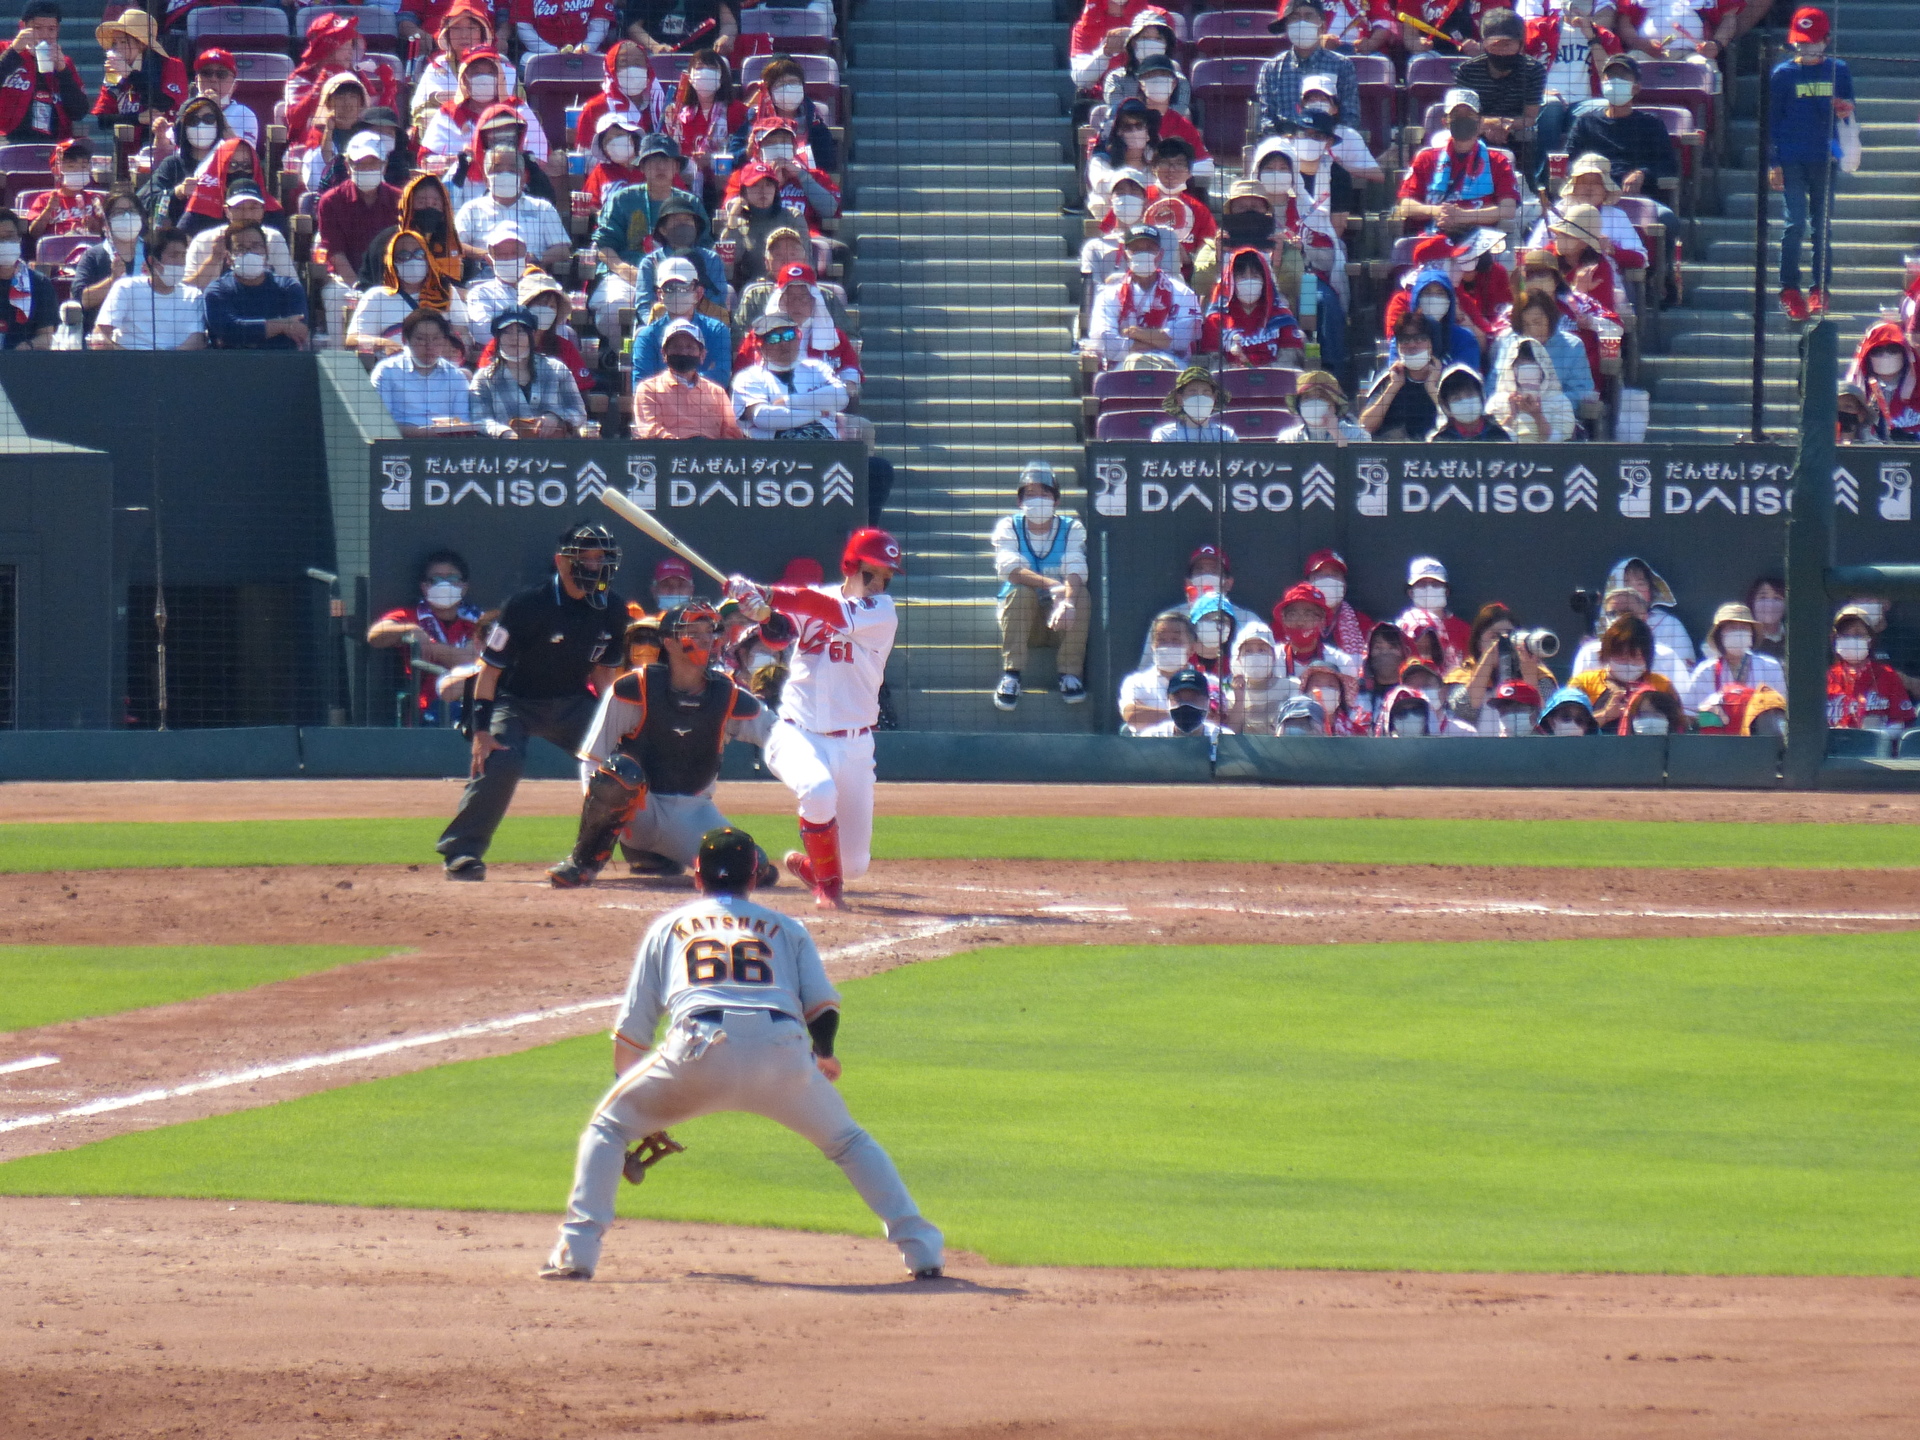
1701 383
958 179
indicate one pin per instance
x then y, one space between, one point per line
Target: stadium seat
261 81
1262 424
1241 33
1429 77
1379 100
28 156
553 82
379 28
667 69
1223 88
253 28
1148 385
1863 744
797 32
1122 403
1128 424
1267 384
61 250
1679 83
1908 738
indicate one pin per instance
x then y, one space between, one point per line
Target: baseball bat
1424 28
647 525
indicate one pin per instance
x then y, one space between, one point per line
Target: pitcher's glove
651 1150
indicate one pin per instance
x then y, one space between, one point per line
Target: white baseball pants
751 1061
832 776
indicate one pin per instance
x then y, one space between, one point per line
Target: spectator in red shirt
706 115
617 141
440 630
1173 125
1100 36
1346 628
1172 169
334 46
629 91
41 97
141 84
357 209
1427 595
544 26
70 208
1863 693
1459 184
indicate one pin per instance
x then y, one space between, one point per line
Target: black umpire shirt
546 643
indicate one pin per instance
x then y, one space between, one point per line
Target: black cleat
932 1272
570 875
466 867
766 874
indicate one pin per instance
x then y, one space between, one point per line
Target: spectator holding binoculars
1500 655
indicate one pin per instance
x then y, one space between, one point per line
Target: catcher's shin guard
615 793
822 870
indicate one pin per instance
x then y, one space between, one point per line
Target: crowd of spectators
1528 197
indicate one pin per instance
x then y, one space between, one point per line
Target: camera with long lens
1543 643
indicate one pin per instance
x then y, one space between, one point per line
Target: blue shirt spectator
1278 87
717 365
251 308
419 385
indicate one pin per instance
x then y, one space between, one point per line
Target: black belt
717 1017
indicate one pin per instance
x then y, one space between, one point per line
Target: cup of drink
582 204
1557 165
590 430
728 251
573 119
576 162
721 162
103 169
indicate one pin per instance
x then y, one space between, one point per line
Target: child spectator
70 207
1040 557
1256 692
1568 714
334 47
1811 91
1464 403
1300 627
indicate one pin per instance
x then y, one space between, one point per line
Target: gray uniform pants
516 721
671 825
754 1061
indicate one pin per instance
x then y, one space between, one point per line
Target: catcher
655 747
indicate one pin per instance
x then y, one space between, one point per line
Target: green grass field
45 984
1558 843
1727 1105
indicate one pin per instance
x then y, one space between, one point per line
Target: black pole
1757 432
1809 553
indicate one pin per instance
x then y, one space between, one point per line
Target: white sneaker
1073 690
1007 694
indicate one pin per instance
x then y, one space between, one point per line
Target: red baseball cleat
1794 303
1817 301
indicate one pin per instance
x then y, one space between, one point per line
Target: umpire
549 643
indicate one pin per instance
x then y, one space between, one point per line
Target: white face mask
1248 289
1430 597
367 179
1331 586
201 136
1142 262
1148 46
1415 359
1409 723
9 252
1466 409
505 186
619 150
1317 413
632 80
445 594
172 275
1258 668
1568 727
74 179
483 87
1204 584
1129 208
1647 723
1304 34
1275 182
1038 508
1169 657
1813 49
776 154
1516 722
1852 648
1617 92
1212 634
544 316
1529 377
1318 107
511 268
1735 641
1626 674
1886 362
1198 408
250 266
1158 88
125 226
412 271
1330 699
788 97
1435 307
1769 609
706 83
1308 152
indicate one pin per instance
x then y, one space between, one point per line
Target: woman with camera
1498 654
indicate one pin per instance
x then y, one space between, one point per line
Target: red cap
1301 594
1419 662
1810 26
1325 560
802 570
753 172
871 547
771 124
216 56
1209 552
1519 692
673 567
1436 247
796 274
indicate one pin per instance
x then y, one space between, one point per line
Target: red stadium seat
31 156
1429 77
1379 100
1267 384
1679 83
253 28
1236 33
1154 385
1121 404
797 32
1263 424
63 250
1223 88
553 82
1128 424
667 69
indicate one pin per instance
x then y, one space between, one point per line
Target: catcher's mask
579 548
693 624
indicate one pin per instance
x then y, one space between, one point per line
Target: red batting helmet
871 547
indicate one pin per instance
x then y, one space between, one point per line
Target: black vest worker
548 645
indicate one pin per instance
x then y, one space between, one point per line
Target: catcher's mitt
651 1150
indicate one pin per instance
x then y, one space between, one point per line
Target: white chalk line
254 1074
32 1062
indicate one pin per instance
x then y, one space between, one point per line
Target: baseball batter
821 748
743 989
654 754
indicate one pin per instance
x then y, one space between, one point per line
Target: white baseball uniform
822 747
735 980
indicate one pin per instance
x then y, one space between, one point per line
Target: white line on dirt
32 1062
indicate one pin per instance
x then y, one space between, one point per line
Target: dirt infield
356 799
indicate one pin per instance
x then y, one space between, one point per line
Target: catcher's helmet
728 859
596 580
677 620
871 547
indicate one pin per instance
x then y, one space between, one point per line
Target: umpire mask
592 557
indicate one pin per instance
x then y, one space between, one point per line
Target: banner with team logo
747 506
1528 525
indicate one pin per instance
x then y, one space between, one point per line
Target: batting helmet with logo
871 547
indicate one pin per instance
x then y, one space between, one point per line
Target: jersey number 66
708 963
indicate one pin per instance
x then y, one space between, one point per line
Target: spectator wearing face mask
1459 183
1427 595
1214 630
413 283
1730 660
1886 369
251 308
1738 710
1635 144
1568 714
1171 644
1256 691
32 307
537 221
1640 577
318 156
680 296
456 138
615 157
749 220
1527 400
1511 85
1040 556
1625 653
706 116
1247 320
1622 602
678 230
1386 655
1160 85
1495 659
1537 320
1414 709
1463 408
1209 572
424 392
1811 92
140 85
1125 148
157 310
1278 87
803 190
199 131
500 291
120 254
521 394
1319 403
1767 599
1247 224
362 205
1590 182
1857 420
1104 257
1168 195
1298 716
1195 404
1345 628
1150 41
1337 696
458 29
215 73
1649 710
46 101
334 47
1189 696
1146 319
1863 693
1300 626
1516 706
1100 37
626 229
71 207
629 91
1572 39
783 99
786 396
1404 400
1431 295
1891 647
785 246
541 296
441 629
798 298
